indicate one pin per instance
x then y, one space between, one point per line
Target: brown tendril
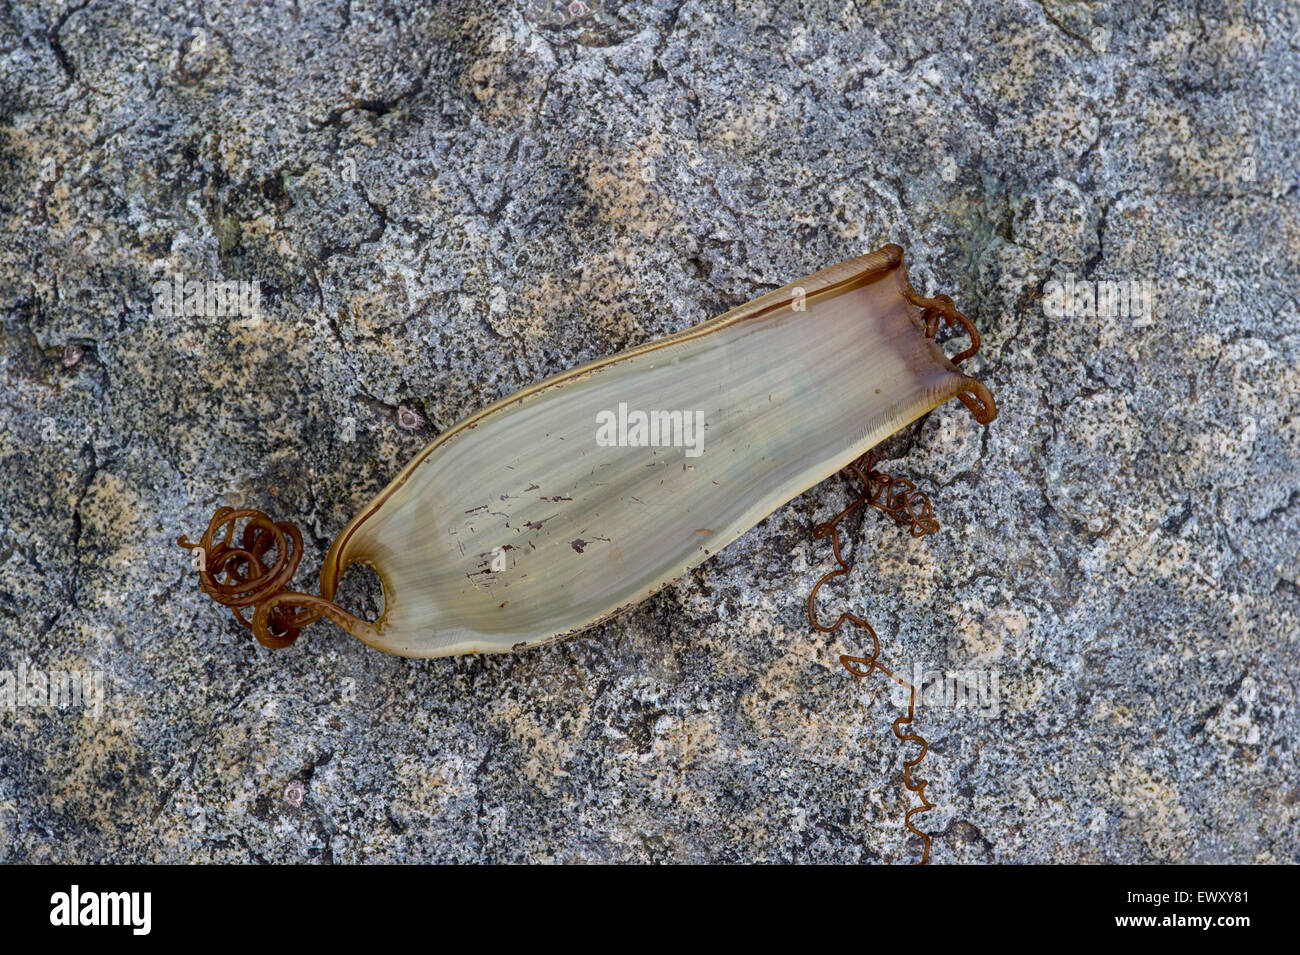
941 306
241 576
899 499
975 395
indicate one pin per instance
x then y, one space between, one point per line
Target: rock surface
442 204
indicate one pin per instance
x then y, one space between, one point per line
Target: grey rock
443 204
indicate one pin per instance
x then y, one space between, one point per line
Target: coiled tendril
243 576
899 499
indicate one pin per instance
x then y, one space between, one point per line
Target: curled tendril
941 306
900 500
975 395
256 573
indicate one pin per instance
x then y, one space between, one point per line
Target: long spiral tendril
900 500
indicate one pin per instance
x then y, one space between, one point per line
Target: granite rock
440 204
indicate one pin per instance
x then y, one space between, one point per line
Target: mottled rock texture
442 203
